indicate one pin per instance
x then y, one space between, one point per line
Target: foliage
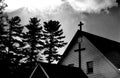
16 45
15 34
3 18
12 30
53 36
33 38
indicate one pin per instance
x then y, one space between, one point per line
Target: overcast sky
95 14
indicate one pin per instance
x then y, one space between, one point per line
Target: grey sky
103 24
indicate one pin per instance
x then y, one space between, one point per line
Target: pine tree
53 40
33 38
13 29
3 18
7 28
15 39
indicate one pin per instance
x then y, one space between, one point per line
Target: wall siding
103 68
72 57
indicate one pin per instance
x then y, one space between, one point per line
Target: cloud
91 6
41 5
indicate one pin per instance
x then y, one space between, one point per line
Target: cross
79 46
82 49
79 50
80 25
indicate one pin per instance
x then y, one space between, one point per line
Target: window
90 67
71 65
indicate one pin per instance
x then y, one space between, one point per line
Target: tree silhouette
15 42
2 25
3 5
12 30
8 29
53 40
33 39
3 18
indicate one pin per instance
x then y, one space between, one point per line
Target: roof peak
40 67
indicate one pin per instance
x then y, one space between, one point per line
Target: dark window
90 67
71 65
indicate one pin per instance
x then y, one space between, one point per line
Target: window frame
90 67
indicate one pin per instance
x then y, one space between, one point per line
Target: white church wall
72 57
102 67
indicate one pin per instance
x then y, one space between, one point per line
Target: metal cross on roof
79 46
80 25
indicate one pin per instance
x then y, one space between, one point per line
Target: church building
45 70
98 57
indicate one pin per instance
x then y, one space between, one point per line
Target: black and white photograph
59 38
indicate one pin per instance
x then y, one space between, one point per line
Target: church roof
45 70
109 48
59 71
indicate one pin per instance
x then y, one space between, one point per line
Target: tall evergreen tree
3 18
12 30
33 38
53 40
15 38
